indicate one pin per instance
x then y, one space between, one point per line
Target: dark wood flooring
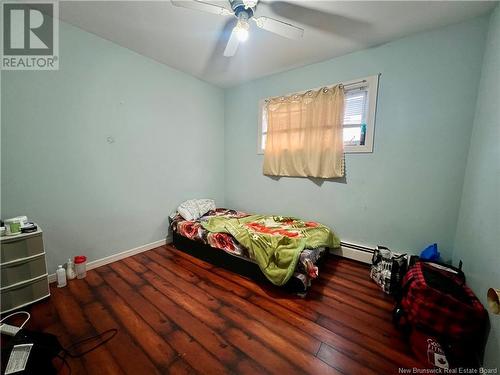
176 314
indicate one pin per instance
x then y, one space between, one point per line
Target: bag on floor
435 296
434 299
388 269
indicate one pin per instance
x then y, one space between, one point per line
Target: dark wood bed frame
233 263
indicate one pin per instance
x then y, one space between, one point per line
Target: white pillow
193 209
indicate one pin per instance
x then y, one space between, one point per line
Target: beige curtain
304 134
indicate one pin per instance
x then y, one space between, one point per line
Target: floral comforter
305 271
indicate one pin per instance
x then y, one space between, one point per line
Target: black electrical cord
113 332
64 362
66 352
69 352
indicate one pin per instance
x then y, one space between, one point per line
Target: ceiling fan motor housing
239 8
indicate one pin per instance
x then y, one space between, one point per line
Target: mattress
305 271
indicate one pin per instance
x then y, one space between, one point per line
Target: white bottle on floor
61 276
70 270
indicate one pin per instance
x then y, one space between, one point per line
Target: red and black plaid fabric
456 315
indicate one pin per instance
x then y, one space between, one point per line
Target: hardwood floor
177 314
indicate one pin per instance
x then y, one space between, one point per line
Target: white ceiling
194 42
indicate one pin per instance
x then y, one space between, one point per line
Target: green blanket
274 242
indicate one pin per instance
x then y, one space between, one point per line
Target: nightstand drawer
12 250
24 294
21 271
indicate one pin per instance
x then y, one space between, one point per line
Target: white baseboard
118 256
359 255
346 252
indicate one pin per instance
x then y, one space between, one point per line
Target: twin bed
283 250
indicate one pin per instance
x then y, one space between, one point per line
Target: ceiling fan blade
232 45
200 5
346 27
279 27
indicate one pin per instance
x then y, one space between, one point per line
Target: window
359 116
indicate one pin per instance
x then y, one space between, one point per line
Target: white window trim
262 103
371 82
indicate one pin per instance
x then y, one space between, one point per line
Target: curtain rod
354 83
341 84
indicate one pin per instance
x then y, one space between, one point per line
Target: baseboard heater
354 251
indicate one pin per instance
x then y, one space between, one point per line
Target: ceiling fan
244 11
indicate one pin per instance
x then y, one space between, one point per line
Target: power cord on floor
69 352
72 351
113 332
64 362
16 313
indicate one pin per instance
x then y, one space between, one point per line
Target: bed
212 239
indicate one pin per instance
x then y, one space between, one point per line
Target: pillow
193 209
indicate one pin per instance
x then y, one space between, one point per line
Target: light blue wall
478 230
406 193
90 196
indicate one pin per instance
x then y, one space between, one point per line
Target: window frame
371 82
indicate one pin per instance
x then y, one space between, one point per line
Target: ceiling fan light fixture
250 3
241 30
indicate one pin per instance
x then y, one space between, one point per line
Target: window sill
358 149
